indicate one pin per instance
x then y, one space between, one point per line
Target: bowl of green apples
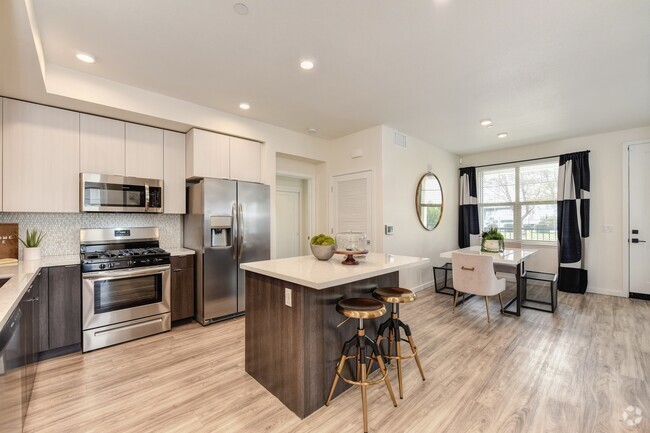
322 246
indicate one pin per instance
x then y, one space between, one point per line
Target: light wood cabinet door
40 158
144 151
174 180
245 160
101 145
207 154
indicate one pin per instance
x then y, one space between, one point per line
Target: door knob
636 241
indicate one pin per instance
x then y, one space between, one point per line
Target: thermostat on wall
388 229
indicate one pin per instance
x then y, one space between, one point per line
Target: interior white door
287 203
639 200
352 204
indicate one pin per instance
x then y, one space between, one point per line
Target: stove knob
102 266
112 265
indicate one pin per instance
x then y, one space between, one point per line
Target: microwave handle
146 197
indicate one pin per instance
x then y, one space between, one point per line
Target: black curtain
573 221
468 215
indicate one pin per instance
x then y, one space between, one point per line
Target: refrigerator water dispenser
220 230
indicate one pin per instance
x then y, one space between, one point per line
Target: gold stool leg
398 349
364 399
417 357
487 309
339 368
463 298
391 338
358 358
379 338
501 303
453 307
382 368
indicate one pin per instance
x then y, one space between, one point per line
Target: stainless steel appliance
125 285
107 193
11 375
227 223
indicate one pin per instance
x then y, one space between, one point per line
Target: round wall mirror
428 201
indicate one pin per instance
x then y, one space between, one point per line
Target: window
520 199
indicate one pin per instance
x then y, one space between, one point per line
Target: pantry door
352 204
639 235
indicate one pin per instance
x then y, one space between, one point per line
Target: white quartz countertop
180 251
311 272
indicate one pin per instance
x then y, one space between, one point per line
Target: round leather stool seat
361 308
394 295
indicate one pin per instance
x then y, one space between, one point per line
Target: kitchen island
292 339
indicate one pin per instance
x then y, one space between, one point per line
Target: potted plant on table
32 244
492 241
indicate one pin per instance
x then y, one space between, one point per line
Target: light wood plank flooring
575 371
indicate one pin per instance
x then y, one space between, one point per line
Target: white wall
401 172
606 250
341 161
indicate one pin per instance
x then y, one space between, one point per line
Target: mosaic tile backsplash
62 229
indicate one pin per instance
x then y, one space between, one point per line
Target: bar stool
396 296
361 308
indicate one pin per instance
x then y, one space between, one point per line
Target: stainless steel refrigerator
227 223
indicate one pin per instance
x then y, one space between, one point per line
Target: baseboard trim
597 291
427 285
644 296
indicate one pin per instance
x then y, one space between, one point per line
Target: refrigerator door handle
240 230
234 238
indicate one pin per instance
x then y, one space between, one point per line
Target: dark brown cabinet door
30 335
43 307
182 287
64 298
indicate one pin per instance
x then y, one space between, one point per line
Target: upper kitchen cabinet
207 154
174 181
101 145
144 151
40 158
245 160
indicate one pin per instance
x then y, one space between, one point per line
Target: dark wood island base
293 351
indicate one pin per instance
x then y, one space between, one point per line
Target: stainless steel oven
106 193
126 285
122 305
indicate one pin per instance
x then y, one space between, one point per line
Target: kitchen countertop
311 272
180 251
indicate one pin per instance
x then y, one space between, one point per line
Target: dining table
510 260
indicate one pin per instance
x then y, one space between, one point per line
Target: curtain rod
523 160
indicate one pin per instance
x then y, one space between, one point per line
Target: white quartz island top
308 271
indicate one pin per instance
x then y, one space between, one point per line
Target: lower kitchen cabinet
30 330
64 306
182 287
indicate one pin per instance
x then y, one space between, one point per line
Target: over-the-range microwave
108 193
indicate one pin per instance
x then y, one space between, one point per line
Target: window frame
516 205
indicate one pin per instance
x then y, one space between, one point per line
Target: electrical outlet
287 297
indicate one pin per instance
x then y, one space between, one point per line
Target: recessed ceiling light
85 57
307 64
312 130
502 135
486 122
244 105
240 8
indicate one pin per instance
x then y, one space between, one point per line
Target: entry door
288 223
639 185
352 204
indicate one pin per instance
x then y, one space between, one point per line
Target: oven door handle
112 275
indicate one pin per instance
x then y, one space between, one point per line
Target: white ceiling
540 70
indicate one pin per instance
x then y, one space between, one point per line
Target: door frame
626 210
292 189
311 197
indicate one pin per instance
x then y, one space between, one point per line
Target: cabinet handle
70 266
32 300
176 270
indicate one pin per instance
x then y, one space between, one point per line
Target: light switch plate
287 297
389 229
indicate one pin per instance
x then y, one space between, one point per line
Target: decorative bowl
323 252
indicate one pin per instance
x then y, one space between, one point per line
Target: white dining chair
474 274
